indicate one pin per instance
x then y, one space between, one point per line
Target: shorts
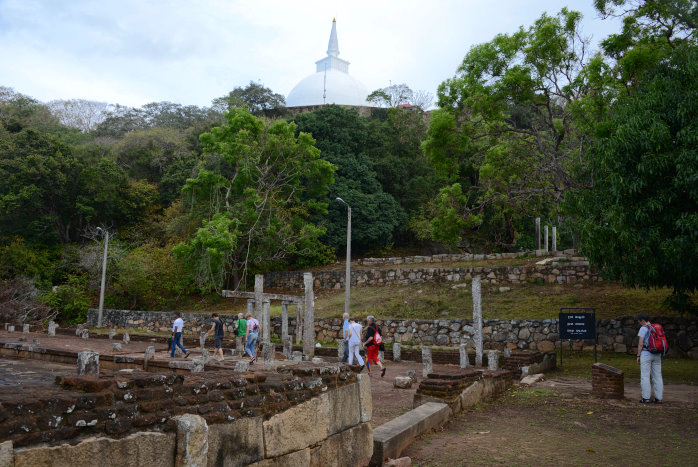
219 342
372 354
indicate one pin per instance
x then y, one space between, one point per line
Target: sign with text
577 325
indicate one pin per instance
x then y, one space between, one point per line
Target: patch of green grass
578 364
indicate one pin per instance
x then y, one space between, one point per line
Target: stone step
391 438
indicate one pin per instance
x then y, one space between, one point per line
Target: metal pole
347 278
348 271
104 278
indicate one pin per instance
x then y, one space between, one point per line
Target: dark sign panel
577 326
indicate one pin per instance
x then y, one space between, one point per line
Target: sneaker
186 355
645 401
383 372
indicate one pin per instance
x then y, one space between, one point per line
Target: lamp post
347 280
104 277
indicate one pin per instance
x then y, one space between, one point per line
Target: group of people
247 328
356 338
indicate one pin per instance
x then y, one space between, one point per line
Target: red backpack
656 340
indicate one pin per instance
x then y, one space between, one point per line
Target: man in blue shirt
650 364
345 330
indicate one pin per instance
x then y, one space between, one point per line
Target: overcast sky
133 52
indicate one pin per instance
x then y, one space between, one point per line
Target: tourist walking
650 364
240 330
177 327
345 336
374 338
252 337
218 332
354 342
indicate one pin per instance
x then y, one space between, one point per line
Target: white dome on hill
330 84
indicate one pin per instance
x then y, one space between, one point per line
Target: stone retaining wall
562 272
455 257
306 415
619 335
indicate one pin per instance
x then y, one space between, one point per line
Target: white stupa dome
330 84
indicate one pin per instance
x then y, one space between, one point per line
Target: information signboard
577 326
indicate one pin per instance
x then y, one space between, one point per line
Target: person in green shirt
240 328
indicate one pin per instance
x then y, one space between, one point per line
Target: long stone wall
619 335
307 415
563 272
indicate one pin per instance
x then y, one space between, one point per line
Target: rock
532 379
127 338
52 326
116 347
297 356
401 462
402 382
317 360
112 333
524 333
35 341
192 440
546 346
242 367
85 334
197 365
88 363
525 370
504 289
412 374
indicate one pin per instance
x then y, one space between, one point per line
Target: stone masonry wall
619 335
563 272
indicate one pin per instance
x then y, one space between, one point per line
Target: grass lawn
578 364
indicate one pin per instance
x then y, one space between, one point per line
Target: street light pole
104 277
347 279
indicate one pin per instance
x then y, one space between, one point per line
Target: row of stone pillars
545 237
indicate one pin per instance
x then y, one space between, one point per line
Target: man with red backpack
651 346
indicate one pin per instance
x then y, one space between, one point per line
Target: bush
70 300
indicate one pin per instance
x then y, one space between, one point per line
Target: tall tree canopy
256 206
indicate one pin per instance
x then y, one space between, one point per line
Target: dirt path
558 423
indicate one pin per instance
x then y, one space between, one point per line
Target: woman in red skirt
374 337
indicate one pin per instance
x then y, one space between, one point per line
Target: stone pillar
288 347
268 355
554 239
85 334
192 441
239 345
52 328
266 332
464 362
112 333
35 341
78 330
258 294
116 347
493 360
545 238
205 356
309 318
202 339
341 344
397 352
25 328
296 356
149 355
426 361
127 338
250 307
299 322
88 363
284 321
537 233
477 319
10 328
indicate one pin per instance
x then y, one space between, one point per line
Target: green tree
261 101
342 136
256 209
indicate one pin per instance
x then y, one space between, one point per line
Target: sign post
577 324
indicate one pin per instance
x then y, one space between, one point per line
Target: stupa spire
333 46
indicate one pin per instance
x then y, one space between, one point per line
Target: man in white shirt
345 332
177 327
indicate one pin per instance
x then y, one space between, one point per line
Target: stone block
10 328
297 356
402 382
397 352
52 326
112 333
401 462
126 338
294 459
349 448
240 442
365 397
7 454
88 363
197 365
532 379
25 328
150 449
192 440
116 347
297 428
343 404
391 438
242 367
